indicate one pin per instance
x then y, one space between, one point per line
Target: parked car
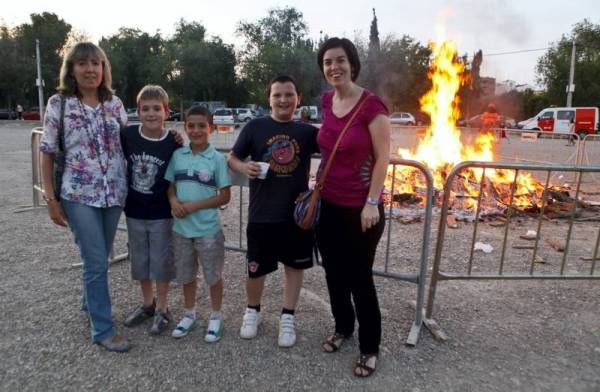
174 116
312 113
132 115
224 116
7 114
402 118
243 114
32 114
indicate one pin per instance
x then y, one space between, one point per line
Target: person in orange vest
490 118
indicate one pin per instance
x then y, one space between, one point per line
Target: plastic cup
264 168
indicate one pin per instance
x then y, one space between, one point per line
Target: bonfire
441 149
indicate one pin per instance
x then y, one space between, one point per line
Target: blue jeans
94 230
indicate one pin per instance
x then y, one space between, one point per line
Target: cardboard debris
529 236
539 259
406 220
498 223
557 245
451 222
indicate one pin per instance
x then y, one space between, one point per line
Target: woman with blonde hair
84 121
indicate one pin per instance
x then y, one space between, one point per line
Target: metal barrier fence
36 172
560 260
590 153
417 277
234 221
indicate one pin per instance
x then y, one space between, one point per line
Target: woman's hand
369 216
177 209
252 169
56 213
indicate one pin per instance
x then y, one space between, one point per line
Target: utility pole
39 82
571 86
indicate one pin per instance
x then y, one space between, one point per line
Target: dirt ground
503 335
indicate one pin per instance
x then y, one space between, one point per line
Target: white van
583 119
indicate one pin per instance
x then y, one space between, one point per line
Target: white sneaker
214 331
287 334
250 324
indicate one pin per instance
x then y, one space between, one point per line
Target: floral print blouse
95 173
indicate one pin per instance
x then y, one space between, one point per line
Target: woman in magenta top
352 218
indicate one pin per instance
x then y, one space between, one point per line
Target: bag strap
61 124
321 180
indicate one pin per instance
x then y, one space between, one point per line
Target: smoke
492 24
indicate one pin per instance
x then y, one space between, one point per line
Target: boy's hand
178 209
178 138
252 169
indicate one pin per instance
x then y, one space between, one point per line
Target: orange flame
441 147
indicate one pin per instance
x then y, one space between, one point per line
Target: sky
494 26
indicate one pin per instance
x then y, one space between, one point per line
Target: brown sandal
361 364
333 343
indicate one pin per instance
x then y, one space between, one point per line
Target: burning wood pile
441 149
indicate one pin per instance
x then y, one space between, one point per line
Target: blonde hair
152 91
82 51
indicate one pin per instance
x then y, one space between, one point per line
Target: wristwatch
372 201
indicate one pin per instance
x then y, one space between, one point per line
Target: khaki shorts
210 251
151 249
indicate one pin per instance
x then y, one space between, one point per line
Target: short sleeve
241 148
119 111
373 107
49 142
222 176
170 172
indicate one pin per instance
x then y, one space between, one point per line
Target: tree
136 59
373 62
18 71
553 67
201 69
278 44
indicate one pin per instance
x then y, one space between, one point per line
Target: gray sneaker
115 343
139 315
160 323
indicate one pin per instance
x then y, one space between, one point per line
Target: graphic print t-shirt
147 161
287 147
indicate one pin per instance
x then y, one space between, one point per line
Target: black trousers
348 256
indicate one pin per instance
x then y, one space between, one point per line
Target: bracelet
372 201
47 199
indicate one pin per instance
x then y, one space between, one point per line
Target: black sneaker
160 323
139 315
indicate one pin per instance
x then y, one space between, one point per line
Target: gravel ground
504 336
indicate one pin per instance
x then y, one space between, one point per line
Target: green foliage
553 67
137 59
278 44
201 69
18 71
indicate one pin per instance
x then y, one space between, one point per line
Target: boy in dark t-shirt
272 235
148 147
